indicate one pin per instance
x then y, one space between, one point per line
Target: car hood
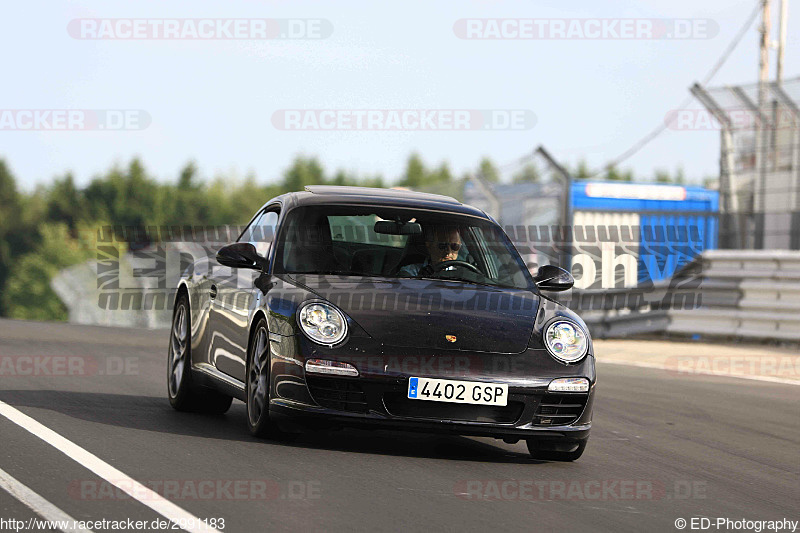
432 314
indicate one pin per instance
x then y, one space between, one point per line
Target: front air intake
559 409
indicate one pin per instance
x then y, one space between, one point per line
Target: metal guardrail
750 294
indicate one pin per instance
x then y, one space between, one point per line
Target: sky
213 101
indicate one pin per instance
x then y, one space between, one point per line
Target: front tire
183 394
541 453
258 384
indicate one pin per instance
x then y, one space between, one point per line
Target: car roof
335 194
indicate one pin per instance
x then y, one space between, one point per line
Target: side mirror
553 278
241 255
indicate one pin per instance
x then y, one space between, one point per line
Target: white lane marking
37 504
770 379
133 488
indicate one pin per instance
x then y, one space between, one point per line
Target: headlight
566 341
322 323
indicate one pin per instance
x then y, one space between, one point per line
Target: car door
235 299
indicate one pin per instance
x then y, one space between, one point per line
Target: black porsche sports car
386 309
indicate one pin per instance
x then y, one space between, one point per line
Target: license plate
449 390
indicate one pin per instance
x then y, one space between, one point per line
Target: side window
247 234
262 231
265 232
488 253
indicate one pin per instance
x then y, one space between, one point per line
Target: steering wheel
438 267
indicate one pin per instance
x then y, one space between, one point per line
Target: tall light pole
762 138
763 61
782 39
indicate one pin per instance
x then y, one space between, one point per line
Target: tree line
50 228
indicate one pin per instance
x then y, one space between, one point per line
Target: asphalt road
663 447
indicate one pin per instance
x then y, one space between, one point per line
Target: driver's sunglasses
448 246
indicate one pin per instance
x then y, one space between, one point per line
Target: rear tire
183 394
540 453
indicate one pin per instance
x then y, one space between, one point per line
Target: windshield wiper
337 273
459 280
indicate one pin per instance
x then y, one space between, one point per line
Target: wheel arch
183 288
257 316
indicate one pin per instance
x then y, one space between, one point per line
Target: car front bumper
377 398
290 415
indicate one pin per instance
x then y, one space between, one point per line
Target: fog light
323 366
569 385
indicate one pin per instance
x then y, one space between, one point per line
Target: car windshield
398 243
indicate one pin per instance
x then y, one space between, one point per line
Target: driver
442 244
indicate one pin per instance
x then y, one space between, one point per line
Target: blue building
610 234
675 223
